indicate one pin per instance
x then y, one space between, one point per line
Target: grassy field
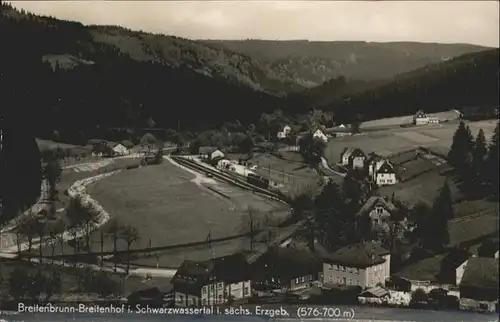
387 142
396 121
166 206
290 172
474 228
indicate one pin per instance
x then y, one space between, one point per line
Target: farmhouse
216 155
357 159
480 280
420 118
383 173
379 210
118 148
212 282
287 130
292 268
365 264
443 271
320 135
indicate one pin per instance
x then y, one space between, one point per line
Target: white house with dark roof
318 134
287 130
357 159
420 118
364 264
344 156
384 174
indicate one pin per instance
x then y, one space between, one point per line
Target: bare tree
130 235
250 224
90 219
113 230
56 234
27 229
41 230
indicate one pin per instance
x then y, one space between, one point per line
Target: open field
47 145
291 173
166 206
396 121
387 142
471 230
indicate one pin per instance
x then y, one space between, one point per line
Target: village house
357 159
365 264
318 134
380 211
212 282
118 149
420 118
289 268
382 172
442 271
479 284
353 158
287 130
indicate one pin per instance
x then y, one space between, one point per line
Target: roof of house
207 149
192 275
363 254
424 270
481 272
127 143
346 152
420 114
96 141
386 167
288 262
377 292
373 157
374 201
357 153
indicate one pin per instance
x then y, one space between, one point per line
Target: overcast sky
475 22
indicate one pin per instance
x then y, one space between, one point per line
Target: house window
341 268
382 181
380 211
205 302
204 290
356 271
211 287
297 281
349 281
220 298
303 279
219 286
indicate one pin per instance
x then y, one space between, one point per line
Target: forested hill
71 42
465 81
76 80
311 63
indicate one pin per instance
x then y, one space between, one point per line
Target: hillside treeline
468 80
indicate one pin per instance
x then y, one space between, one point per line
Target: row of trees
475 161
79 224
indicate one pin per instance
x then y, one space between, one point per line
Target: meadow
167 206
387 142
